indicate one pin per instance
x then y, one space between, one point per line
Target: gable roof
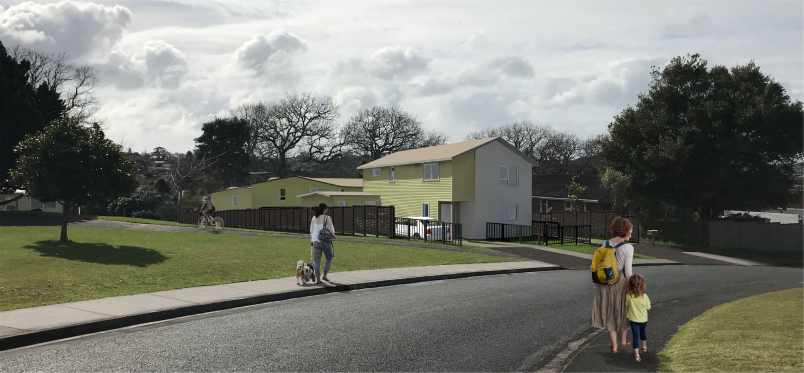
438 153
555 186
341 182
335 194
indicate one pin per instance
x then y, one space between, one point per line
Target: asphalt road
496 323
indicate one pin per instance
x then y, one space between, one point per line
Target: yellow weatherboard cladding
409 191
224 200
267 194
315 199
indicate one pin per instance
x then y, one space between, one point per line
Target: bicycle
216 223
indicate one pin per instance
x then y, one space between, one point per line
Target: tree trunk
65 219
11 200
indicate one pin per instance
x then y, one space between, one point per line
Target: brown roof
436 153
331 194
344 182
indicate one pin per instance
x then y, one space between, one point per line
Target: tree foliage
378 131
74 165
226 140
709 139
25 108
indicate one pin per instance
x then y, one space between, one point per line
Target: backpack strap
619 244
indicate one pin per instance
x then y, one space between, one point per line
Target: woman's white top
625 258
317 224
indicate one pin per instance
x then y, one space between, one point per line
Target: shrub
145 215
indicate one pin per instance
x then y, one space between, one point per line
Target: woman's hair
636 286
320 209
620 226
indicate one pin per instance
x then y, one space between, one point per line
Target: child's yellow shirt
637 307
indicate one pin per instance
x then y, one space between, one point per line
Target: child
638 305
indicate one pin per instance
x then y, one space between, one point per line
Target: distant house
471 182
342 199
550 193
281 192
27 203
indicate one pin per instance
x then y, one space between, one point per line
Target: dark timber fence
377 221
598 221
539 232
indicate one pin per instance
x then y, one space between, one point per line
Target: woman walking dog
320 222
609 311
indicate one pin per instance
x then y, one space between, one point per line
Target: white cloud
257 53
391 62
514 67
157 64
77 28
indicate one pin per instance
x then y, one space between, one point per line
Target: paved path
39 324
670 253
496 324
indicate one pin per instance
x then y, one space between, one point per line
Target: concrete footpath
28 326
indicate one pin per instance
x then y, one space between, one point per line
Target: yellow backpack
604 264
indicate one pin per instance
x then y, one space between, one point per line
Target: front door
445 212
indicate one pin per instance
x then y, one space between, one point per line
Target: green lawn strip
775 257
762 333
35 269
586 248
347 236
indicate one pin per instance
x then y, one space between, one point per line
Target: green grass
36 269
787 258
586 248
762 333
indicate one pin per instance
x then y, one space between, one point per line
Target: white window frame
281 192
313 190
376 172
391 175
427 170
507 180
544 205
234 200
341 203
508 210
371 203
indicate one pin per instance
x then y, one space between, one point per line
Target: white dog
305 272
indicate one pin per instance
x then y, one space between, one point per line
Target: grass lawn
586 248
36 269
762 333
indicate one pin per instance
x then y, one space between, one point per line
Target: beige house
340 199
27 203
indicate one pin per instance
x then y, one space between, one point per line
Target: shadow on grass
99 253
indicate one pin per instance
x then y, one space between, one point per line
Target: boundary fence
377 221
598 221
539 232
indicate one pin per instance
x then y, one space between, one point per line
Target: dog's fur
305 272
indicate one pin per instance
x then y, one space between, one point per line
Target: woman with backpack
609 311
320 222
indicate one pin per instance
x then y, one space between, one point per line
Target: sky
168 66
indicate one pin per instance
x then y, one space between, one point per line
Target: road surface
495 323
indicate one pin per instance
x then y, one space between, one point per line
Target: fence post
424 222
520 234
443 232
364 221
376 221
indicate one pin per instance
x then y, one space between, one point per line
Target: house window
509 175
431 171
508 212
313 190
36 204
282 194
341 203
425 209
234 200
544 205
568 206
371 203
376 172
391 175
50 205
11 206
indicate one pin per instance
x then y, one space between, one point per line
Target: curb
49 335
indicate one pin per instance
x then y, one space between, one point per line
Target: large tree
709 139
74 165
25 108
376 132
226 139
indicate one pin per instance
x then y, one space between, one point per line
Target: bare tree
557 153
524 135
299 128
75 83
376 132
189 171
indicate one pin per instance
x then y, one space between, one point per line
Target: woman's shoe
645 349
627 343
614 349
637 358
325 278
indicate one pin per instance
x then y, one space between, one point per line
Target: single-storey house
341 199
281 192
28 203
550 193
471 182
234 198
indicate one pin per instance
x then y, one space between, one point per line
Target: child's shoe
644 348
637 358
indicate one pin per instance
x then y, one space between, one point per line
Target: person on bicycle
206 208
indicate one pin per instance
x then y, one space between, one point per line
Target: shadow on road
99 253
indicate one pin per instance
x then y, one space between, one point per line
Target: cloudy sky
168 66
